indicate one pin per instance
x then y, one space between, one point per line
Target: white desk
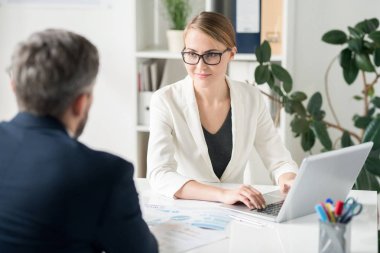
298 235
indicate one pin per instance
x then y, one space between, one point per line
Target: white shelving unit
151 43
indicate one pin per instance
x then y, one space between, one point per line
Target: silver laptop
327 175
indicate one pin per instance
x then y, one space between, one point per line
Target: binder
271 24
246 16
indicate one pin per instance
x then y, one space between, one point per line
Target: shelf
252 57
158 54
142 128
165 54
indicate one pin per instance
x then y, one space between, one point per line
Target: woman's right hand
246 194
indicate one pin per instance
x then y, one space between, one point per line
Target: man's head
53 73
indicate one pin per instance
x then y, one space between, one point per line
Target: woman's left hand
285 181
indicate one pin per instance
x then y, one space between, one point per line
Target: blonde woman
204 127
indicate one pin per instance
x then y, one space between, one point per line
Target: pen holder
334 237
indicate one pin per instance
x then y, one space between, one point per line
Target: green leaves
178 12
336 37
320 131
315 104
372 133
361 121
363 62
360 53
351 72
355 33
347 62
373 165
262 74
307 140
298 96
282 74
366 180
357 54
355 45
299 125
263 52
345 57
376 57
375 36
368 26
346 140
376 101
267 72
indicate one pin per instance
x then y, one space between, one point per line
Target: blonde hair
215 25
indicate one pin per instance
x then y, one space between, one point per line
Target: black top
220 146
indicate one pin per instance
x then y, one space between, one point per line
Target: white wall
111 29
311 56
111 124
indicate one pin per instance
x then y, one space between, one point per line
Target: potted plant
360 55
178 12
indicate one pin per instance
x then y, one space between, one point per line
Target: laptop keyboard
272 209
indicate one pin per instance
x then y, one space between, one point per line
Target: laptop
327 175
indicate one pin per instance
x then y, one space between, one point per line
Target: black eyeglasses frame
202 56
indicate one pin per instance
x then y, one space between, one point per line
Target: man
56 194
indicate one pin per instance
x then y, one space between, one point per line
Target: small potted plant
178 12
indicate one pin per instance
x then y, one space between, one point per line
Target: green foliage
360 53
178 12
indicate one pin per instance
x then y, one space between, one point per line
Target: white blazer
177 150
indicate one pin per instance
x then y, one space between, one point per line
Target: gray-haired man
56 194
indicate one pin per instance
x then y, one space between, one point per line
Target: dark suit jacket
57 195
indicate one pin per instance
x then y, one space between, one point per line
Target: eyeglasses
211 58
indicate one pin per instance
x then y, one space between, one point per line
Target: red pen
339 208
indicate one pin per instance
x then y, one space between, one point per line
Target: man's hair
50 69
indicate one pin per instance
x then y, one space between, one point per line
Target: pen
328 214
329 200
338 208
321 213
330 211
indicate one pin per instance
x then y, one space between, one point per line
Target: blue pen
329 200
321 213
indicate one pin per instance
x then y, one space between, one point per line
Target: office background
111 27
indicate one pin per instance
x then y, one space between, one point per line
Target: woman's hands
251 197
246 194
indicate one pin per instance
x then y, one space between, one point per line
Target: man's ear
80 104
13 86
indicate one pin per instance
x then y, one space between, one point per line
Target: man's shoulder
103 157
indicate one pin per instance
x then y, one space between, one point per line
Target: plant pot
175 40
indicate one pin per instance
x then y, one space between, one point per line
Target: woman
204 127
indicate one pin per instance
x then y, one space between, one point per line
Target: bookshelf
151 44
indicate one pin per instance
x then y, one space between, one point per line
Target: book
173 72
145 76
156 69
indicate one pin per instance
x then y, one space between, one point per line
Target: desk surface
298 235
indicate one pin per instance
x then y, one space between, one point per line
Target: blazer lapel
237 108
191 113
